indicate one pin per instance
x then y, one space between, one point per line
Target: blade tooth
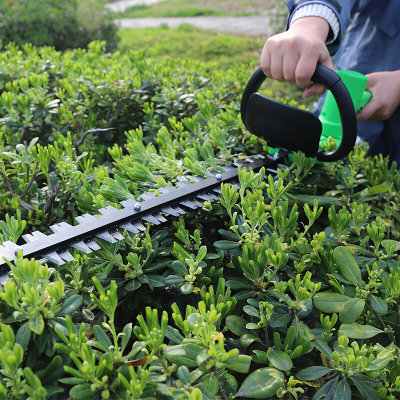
85 218
188 204
227 169
213 196
7 250
238 164
170 211
196 203
129 227
219 191
92 245
166 189
249 160
28 238
262 157
204 197
160 218
105 235
128 203
107 210
54 258
181 184
151 219
62 226
4 278
271 170
139 226
180 211
81 246
208 196
66 255
117 235
283 166
147 196
38 235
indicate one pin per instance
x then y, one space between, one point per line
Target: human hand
385 89
293 55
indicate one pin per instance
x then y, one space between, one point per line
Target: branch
30 182
53 195
25 130
23 204
79 142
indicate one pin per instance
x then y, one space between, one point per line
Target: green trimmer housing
356 84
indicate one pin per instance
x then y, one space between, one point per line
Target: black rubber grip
331 81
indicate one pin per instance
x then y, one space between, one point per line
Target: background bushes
62 24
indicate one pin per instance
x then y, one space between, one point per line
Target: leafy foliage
287 287
62 24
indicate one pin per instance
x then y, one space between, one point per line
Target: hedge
287 287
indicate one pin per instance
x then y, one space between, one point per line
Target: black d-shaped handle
332 82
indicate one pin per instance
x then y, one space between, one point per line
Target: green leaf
396 243
312 373
327 391
241 363
323 347
358 331
81 392
250 310
226 244
173 335
365 385
36 324
23 336
187 288
102 337
322 200
71 305
239 283
133 285
329 302
379 305
378 189
261 384
347 265
343 391
260 356
279 359
382 360
179 356
184 375
179 268
247 339
352 310
173 280
236 325
209 386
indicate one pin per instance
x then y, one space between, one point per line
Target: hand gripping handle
332 82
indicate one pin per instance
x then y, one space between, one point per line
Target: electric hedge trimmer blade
173 201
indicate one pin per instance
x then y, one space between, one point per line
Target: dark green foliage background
62 24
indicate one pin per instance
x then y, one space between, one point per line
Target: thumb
317 88
367 112
313 90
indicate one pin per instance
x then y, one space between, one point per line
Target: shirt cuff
319 10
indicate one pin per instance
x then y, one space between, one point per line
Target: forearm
336 12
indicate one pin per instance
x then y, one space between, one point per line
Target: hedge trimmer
173 201
283 126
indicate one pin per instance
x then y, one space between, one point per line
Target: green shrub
62 24
287 287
